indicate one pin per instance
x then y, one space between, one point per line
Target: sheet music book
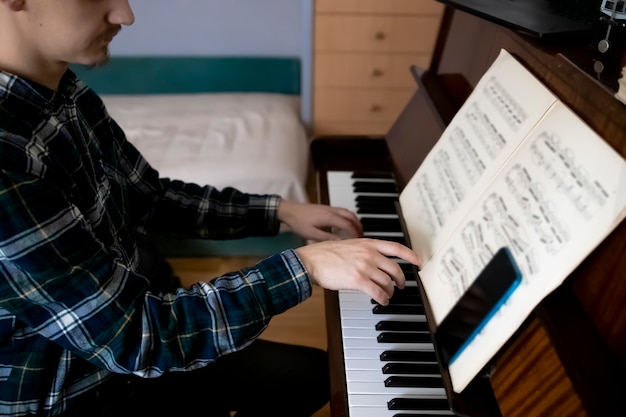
517 168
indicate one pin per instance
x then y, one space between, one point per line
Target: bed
226 121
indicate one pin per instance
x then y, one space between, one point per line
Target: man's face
75 31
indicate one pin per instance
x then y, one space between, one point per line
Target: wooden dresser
363 50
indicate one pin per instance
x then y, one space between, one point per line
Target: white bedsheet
252 141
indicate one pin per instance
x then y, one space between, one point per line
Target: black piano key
430 404
408 295
363 209
414 381
374 224
402 326
408 298
408 356
372 174
399 239
374 187
416 415
398 309
373 199
399 368
404 337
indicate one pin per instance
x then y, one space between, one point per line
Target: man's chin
95 62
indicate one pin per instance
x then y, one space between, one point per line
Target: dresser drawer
344 69
325 127
379 6
371 105
364 33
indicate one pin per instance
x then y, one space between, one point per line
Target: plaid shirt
73 309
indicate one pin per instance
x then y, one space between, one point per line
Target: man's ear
15 5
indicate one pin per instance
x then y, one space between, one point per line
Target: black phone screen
481 300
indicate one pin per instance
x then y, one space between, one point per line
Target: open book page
514 168
506 103
553 202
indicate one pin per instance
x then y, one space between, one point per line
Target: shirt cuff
287 281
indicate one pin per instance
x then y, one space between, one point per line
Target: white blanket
254 142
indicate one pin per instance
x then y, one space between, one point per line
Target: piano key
404 337
392 391
376 224
356 364
387 337
370 364
373 375
402 326
377 353
361 405
372 175
368 343
410 403
351 314
371 323
364 186
382 411
413 368
398 309
421 382
408 355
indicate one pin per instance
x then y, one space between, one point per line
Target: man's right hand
357 264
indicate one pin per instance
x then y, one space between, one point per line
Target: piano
569 357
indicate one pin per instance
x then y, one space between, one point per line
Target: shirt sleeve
72 288
175 208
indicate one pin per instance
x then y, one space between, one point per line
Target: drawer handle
377 72
380 36
375 108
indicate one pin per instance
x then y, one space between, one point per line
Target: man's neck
23 63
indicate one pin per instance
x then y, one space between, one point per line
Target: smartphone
493 286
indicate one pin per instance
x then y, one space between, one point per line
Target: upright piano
569 357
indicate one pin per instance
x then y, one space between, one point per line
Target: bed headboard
193 74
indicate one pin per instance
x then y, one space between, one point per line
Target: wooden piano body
569 358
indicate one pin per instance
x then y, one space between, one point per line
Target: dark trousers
264 379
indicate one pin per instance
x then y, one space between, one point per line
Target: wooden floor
303 324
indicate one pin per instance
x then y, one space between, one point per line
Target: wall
221 27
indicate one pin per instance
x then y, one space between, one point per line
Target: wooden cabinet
363 50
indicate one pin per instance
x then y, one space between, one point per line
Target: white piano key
356 387
365 375
370 353
374 344
355 297
374 375
356 313
368 364
377 400
361 333
363 365
382 411
370 323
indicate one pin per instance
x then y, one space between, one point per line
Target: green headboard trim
178 74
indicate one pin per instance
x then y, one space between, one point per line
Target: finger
394 273
383 280
346 227
320 235
394 249
377 293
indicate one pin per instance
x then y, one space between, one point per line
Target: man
85 327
